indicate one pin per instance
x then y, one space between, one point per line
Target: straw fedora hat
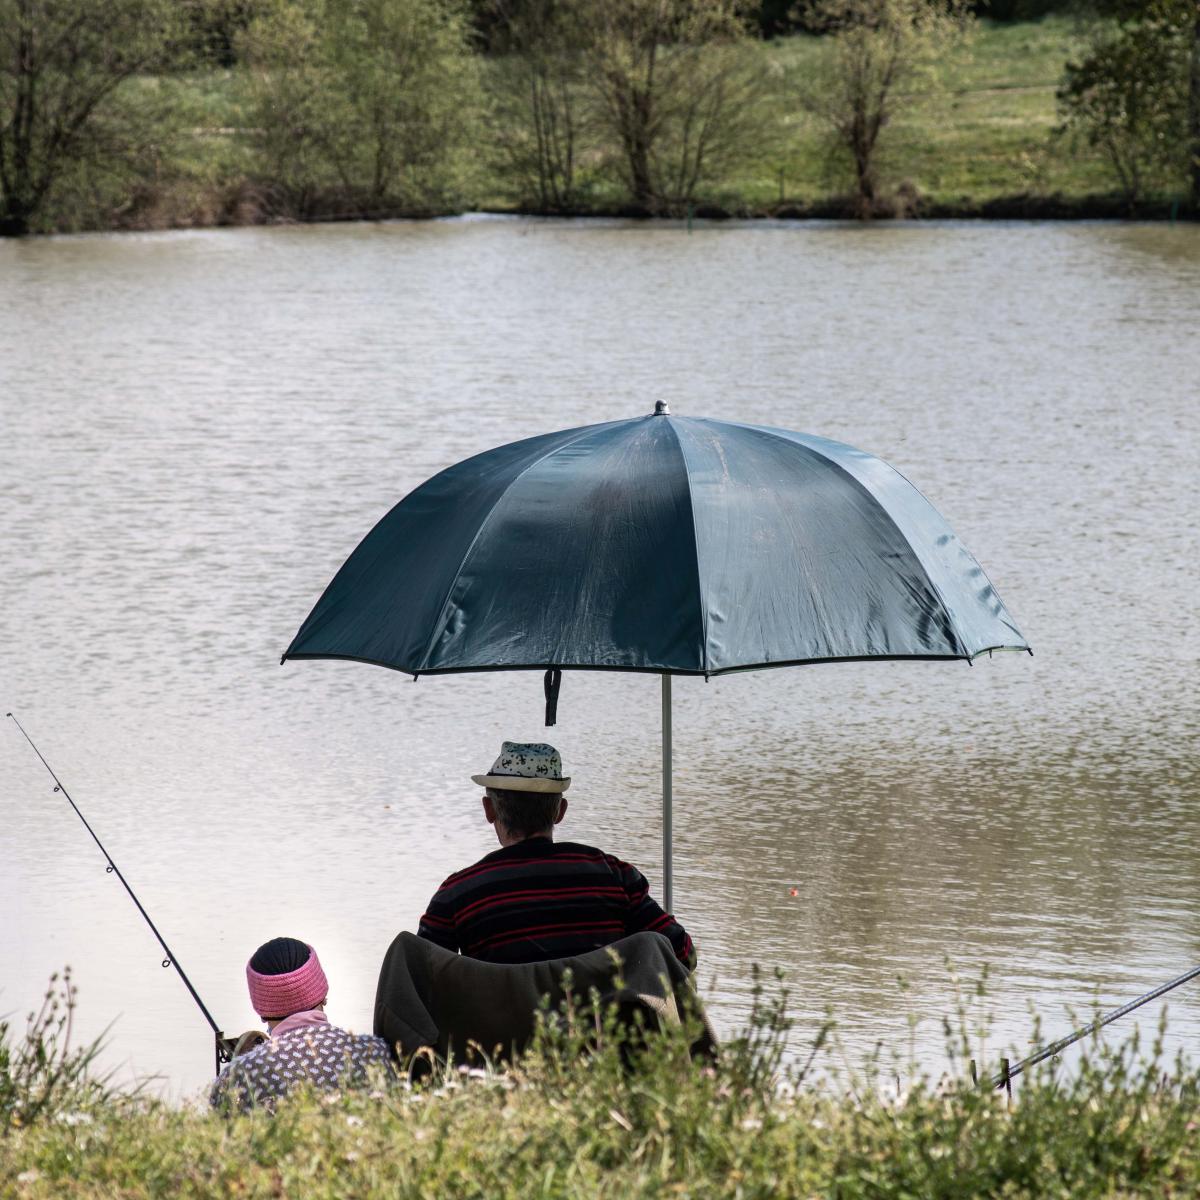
526 767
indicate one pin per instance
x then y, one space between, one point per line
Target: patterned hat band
526 767
276 996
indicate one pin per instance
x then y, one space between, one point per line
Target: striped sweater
541 899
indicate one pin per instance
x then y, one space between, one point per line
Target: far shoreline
242 212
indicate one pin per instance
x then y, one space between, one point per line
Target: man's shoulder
473 869
578 849
527 853
591 860
537 850
566 849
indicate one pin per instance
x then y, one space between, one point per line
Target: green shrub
362 107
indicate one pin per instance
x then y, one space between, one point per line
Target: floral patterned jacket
315 1053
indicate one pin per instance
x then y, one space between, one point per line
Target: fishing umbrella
666 544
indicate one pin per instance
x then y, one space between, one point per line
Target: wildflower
354 1122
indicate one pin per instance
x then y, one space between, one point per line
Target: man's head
520 815
285 977
523 794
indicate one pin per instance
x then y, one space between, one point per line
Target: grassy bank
988 145
990 134
560 1125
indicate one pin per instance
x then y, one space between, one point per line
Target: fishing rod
1007 1073
224 1046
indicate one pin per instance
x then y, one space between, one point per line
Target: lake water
196 428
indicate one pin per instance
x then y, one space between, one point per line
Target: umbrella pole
666 776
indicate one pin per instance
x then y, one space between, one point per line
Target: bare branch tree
540 118
62 65
882 58
676 88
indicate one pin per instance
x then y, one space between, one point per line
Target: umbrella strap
552 683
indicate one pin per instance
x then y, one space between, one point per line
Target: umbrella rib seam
696 546
440 624
966 653
959 646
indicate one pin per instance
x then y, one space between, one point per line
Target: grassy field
994 133
577 1119
989 132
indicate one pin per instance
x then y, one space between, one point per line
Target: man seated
288 990
536 899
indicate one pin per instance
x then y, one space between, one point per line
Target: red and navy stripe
541 899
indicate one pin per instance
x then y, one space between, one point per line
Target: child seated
288 990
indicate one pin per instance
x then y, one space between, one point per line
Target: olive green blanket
430 997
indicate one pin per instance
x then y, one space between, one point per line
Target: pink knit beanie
276 996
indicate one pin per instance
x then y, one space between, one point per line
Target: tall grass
591 1112
42 1073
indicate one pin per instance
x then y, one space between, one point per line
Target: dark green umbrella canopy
665 543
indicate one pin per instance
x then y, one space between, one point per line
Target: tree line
380 107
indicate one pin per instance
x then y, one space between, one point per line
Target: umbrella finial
661 408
